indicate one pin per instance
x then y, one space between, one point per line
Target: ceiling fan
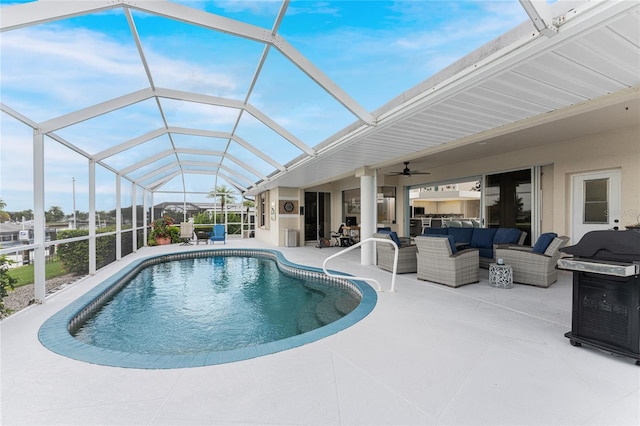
407 171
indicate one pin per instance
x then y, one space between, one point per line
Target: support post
39 221
134 218
118 217
92 217
367 214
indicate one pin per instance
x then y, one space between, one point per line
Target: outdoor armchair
385 253
440 262
534 265
218 234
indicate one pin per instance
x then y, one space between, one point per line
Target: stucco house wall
618 149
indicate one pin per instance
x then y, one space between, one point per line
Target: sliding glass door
317 215
508 201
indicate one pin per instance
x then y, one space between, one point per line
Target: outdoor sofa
483 239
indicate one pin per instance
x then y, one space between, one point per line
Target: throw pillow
506 236
393 235
483 237
543 242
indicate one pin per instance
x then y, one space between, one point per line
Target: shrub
6 283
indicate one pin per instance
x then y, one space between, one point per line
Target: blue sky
374 50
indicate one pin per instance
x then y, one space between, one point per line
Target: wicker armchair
531 267
438 263
406 255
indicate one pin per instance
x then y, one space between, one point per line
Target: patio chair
534 265
218 234
406 253
440 262
186 233
202 236
337 235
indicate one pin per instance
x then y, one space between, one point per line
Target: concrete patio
427 354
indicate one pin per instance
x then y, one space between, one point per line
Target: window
263 209
385 201
596 201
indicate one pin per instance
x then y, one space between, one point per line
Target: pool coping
55 333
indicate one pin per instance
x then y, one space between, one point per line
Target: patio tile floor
427 354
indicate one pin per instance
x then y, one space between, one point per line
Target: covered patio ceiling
541 82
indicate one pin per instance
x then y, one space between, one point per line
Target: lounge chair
218 234
440 262
186 233
534 265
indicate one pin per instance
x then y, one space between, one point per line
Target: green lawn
24 274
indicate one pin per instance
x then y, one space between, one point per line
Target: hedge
75 255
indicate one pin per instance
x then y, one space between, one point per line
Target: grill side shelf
616 269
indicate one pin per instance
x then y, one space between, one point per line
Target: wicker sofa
440 262
385 253
483 239
534 265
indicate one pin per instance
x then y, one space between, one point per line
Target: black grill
606 291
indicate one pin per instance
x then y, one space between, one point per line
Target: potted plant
161 231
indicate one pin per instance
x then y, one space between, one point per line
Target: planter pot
161 241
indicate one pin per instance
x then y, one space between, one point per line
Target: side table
500 276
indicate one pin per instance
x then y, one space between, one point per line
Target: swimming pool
57 332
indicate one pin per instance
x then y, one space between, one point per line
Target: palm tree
224 194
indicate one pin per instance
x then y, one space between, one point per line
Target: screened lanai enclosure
116 112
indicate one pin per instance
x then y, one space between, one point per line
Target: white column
118 217
367 214
92 217
134 218
145 217
38 217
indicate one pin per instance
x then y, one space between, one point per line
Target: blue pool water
205 307
213 304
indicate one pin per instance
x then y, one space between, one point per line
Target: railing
348 249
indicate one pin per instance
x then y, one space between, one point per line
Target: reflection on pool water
203 308
213 304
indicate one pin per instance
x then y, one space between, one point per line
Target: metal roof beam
540 14
158 171
129 144
153 186
95 110
205 164
204 19
259 153
199 132
322 80
232 103
280 130
146 161
27 14
223 156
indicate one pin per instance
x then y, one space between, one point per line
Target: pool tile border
56 332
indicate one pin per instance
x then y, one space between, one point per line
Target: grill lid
614 246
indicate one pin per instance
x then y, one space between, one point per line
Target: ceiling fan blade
407 171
